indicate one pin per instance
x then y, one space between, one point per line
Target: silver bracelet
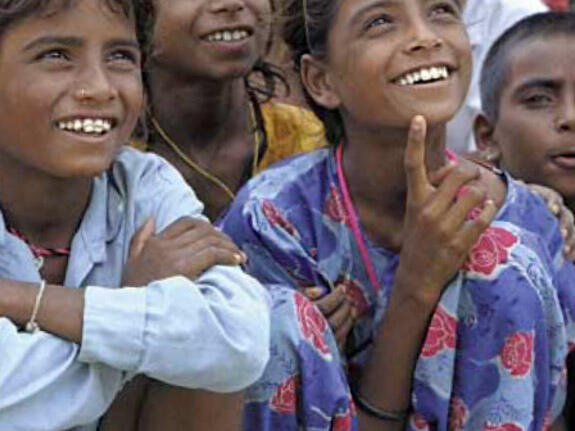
32 326
376 412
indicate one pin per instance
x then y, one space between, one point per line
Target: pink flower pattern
284 399
275 217
508 426
491 250
517 353
334 207
441 334
312 324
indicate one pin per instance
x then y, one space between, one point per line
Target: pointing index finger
417 181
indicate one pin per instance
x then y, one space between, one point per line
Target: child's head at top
373 64
214 41
70 85
528 97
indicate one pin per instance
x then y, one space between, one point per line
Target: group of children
376 281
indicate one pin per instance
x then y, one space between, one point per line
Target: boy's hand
557 206
187 247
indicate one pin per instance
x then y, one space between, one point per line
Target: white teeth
424 75
227 36
96 126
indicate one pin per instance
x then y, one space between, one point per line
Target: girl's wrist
411 294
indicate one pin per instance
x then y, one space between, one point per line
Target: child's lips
565 161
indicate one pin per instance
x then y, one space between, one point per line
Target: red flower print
441 333
284 400
517 353
335 208
458 414
342 422
274 216
312 324
508 426
355 295
491 250
419 423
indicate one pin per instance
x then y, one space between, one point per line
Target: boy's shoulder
132 167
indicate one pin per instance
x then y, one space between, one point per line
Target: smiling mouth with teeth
424 76
87 126
227 36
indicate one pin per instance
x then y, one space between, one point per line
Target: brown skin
49 79
199 99
415 213
88 68
197 88
536 125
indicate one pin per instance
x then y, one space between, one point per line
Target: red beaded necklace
40 252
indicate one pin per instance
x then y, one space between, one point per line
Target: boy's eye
444 10
124 57
537 100
54 55
378 21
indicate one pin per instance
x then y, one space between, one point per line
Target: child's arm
210 333
437 239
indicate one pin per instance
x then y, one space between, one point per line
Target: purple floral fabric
494 355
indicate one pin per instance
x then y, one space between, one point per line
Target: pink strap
349 208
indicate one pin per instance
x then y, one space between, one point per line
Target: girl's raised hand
438 233
187 247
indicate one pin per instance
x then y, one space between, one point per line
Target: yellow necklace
203 171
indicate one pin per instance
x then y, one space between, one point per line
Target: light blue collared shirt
211 333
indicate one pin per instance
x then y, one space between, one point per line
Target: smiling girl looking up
453 328
107 267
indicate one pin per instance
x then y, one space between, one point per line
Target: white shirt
485 20
211 333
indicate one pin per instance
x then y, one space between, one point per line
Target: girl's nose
227 6
422 37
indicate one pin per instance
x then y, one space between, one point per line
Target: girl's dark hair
13 11
306 32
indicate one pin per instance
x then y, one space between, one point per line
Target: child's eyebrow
365 8
548 83
54 40
132 43
76 41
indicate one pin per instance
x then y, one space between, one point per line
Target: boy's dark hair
308 35
495 69
13 11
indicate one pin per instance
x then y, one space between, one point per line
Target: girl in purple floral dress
435 337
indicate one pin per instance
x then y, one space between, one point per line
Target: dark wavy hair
13 11
306 32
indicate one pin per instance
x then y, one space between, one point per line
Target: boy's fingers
339 316
342 332
417 182
477 226
180 226
331 301
141 237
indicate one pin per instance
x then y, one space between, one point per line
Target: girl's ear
484 131
317 82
